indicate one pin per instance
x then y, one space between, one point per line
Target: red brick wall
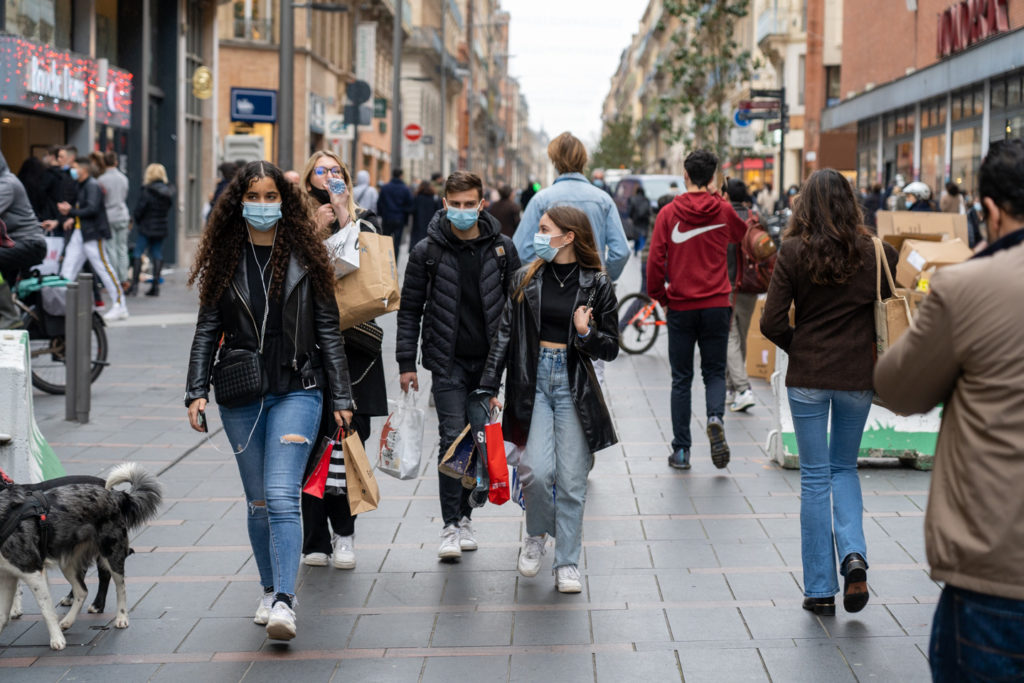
881 39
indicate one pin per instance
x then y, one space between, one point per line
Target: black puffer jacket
436 304
152 211
312 335
90 211
517 349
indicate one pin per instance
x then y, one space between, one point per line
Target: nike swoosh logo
680 237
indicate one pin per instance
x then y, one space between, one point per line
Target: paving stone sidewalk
687 576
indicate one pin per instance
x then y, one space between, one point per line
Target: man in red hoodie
687 275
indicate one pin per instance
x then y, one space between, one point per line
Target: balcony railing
255 30
773 21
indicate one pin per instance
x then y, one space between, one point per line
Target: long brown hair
827 220
220 247
568 219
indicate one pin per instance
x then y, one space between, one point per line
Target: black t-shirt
284 378
558 301
472 341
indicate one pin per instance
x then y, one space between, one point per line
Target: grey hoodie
15 209
365 195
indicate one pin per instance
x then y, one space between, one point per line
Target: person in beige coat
965 350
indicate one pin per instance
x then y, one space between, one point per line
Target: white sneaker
450 548
116 312
567 579
742 401
315 559
730 396
344 556
263 609
467 540
281 625
529 555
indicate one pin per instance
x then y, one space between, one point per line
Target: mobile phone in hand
202 420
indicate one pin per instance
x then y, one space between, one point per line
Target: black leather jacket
311 332
517 348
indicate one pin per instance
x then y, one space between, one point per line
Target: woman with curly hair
265 289
826 267
329 186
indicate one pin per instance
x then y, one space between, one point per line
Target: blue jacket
573 189
395 202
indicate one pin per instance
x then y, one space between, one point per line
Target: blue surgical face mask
262 217
909 202
336 186
463 219
977 207
542 247
74 173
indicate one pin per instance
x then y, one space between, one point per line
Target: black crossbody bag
239 377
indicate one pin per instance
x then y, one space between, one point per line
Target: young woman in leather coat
260 246
335 209
559 318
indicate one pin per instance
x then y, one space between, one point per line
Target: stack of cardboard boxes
926 242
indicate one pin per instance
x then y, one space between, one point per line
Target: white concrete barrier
886 434
24 454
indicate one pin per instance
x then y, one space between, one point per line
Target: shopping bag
458 461
51 262
516 489
892 316
316 482
401 439
497 467
343 250
361 485
372 290
336 481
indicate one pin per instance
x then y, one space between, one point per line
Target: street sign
251 104
760 104
413 132
740 118
775 94
778 126
763 114
380 107
742 138
413 151
428 140
353 113
358 92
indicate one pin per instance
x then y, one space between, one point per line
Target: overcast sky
564 55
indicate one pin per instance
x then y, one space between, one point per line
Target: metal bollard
77 350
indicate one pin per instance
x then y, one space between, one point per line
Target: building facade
950 85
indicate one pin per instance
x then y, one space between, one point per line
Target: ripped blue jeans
271 468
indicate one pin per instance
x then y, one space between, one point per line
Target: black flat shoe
823 607
855 588
680 459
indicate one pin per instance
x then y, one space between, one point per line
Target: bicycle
640 319
46 333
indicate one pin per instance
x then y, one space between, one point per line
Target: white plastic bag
343 250
401 440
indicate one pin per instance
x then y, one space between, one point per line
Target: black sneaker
680 459
719 448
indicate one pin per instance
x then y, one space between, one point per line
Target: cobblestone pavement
691 576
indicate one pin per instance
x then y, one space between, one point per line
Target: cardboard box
918 255
760 351
917 223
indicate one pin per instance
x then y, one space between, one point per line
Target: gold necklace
561 282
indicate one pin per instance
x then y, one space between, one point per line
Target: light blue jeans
271 467
828 469
556 455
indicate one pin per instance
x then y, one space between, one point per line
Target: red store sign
969 22
39 77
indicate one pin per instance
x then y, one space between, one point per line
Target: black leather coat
312 335
517 349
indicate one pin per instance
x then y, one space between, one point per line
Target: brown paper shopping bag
363 494
892 315
373 289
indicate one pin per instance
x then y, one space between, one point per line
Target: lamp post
396 87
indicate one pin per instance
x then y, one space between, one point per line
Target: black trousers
451 394
23 255
316 512
395 229
707 329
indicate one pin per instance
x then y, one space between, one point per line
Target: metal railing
255 30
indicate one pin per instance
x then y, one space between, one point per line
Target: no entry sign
413 132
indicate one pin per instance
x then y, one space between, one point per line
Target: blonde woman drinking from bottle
559 319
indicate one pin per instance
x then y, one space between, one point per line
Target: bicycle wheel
49 370
638 318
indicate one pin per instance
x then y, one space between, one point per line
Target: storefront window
44 21
998 94
966 157
1013 91
905 159
933 166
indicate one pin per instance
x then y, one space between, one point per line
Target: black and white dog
77 525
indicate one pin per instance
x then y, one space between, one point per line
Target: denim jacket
573 189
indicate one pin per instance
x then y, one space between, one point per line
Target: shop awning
991 58
751 164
